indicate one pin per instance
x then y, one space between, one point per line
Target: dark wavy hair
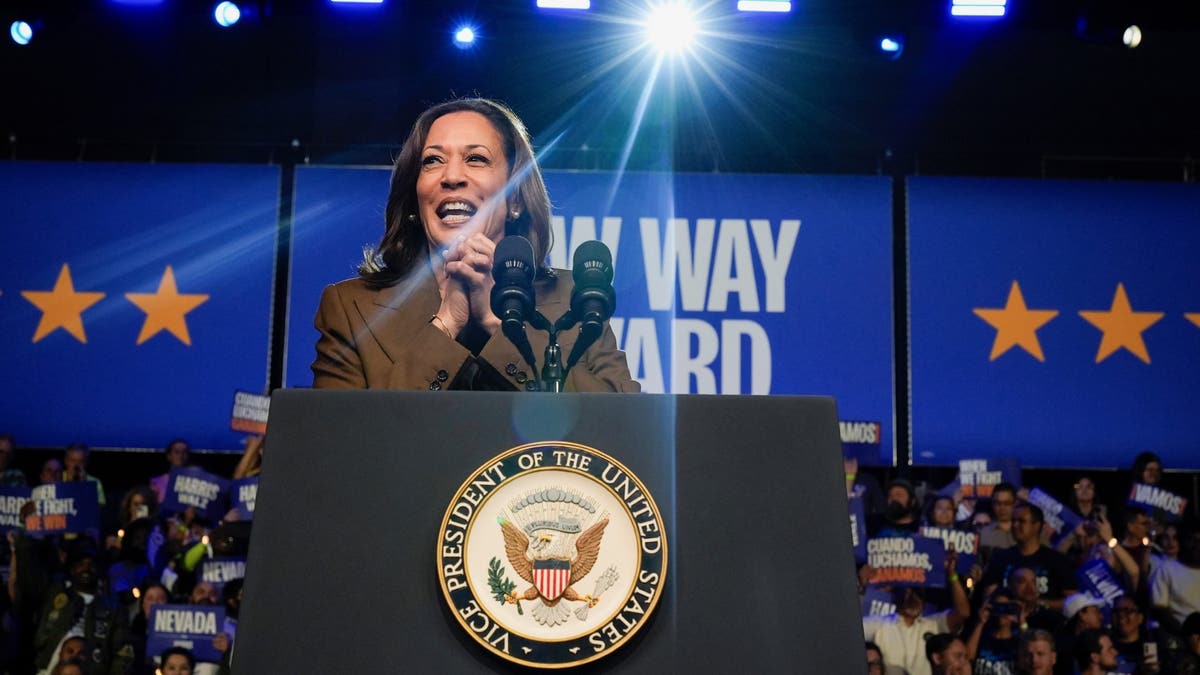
404 240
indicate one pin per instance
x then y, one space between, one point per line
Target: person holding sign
419 314
901 635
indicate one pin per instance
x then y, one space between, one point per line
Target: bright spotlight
1132 37
464 37
226 14
671 27
764 6
21 32
891 46
564 4
990 8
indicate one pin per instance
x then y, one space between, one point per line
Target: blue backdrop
183 257
1055 321
737 284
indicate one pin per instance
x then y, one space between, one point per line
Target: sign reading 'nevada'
1054 321
134 299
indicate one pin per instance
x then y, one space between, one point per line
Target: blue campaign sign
978 477
858 528
1060 518
964 543
862 440
220 571
64 507
189 626
1054 319
11 501
193 488
1158 501
907 561
1095 576
731 284
134 298
243 494
877 602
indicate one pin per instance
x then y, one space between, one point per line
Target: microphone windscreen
514 261
592 265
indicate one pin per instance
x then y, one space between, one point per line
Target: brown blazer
383 339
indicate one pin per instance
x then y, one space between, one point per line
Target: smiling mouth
455 212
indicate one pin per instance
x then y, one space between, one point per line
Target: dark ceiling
1049 90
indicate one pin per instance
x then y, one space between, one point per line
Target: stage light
984 8
764 6
464 37
892 46
357 2
671 27
1132 37
226 14
21 32
564 4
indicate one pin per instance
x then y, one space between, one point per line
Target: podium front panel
342 574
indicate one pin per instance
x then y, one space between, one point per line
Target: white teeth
456 206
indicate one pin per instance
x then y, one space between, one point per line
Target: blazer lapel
395 315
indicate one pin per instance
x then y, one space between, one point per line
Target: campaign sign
978 477
64 507
963 542
858 528
242 495
126 576
861 440
250 412
193 488
1158 500
189 626
907 561
220 571
1095 576
1060 518
11 501
877 602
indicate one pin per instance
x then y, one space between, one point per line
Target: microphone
593 298
512 295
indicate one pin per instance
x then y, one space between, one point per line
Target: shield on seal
551 576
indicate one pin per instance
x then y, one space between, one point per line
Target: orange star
61 307
1194 317
166 308
1016 325
1122 327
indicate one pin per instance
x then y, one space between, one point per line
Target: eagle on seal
547 562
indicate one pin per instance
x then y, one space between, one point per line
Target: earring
412 217
514 214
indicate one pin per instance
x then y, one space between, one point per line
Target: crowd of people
80 603
1026 605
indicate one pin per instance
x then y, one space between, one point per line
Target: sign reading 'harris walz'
552 555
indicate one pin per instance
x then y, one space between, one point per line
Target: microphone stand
553 374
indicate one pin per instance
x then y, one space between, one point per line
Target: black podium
342 575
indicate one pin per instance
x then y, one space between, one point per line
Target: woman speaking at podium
419 316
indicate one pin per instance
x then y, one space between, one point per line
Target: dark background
1048 90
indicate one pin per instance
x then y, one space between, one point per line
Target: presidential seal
552 555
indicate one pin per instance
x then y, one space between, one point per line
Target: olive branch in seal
500 584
